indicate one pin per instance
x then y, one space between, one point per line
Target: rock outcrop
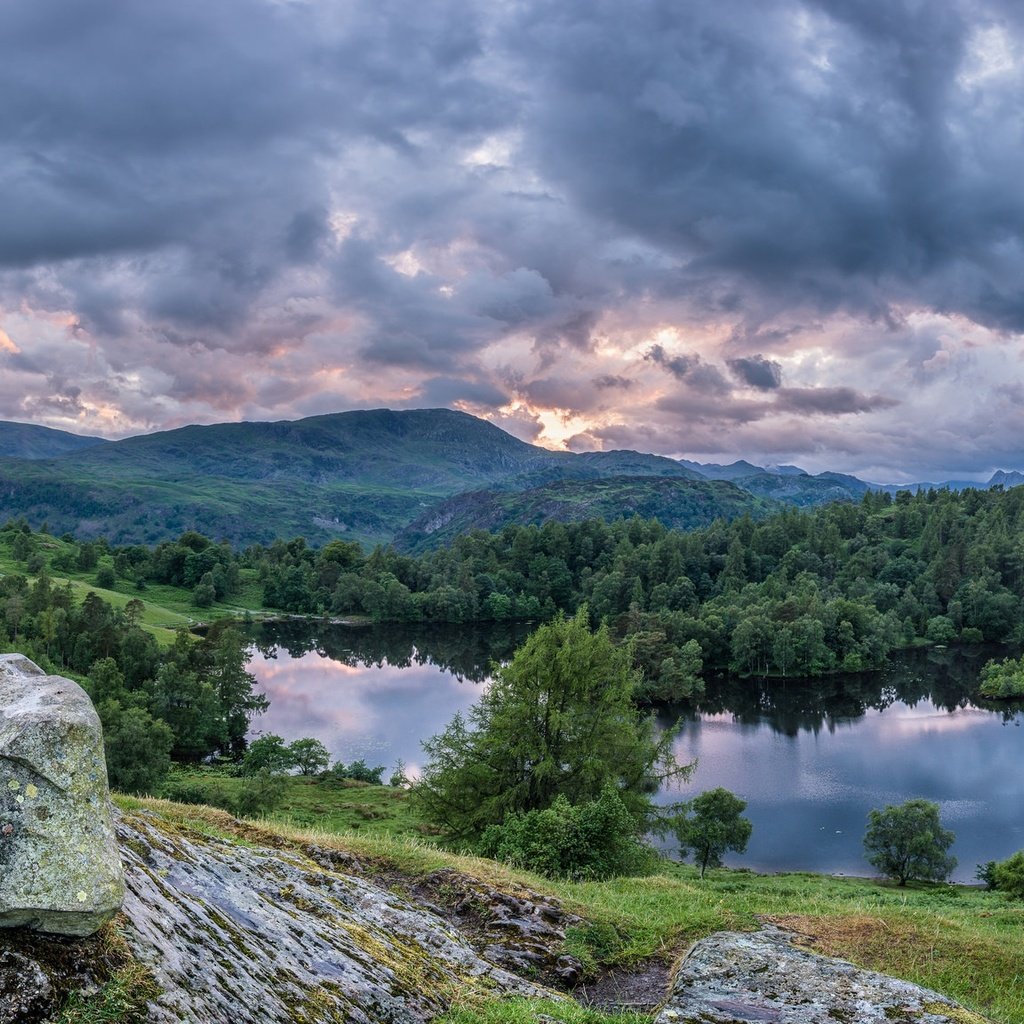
246 934
60 870
737 977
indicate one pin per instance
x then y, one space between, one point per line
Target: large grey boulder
60 870
735 977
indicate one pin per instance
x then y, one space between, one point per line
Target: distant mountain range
418 477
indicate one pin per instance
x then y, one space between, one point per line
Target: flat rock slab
738 978
254 935
60 870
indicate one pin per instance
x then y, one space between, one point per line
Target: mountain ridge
364 475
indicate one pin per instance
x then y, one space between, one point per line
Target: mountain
804 490
676 503
28 441
360 475
1003 479
367 475
714 471
433 449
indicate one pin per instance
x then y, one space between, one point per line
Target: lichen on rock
247 933
60 870
738 977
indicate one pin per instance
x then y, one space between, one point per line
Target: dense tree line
798 594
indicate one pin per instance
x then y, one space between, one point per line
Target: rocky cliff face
253 934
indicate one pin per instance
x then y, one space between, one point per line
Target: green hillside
361 476
422 475
676 503
29 441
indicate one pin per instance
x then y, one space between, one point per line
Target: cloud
756 372
613 380
690 368
711 224
831 401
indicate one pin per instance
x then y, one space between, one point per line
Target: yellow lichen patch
14 785
31 791
955 1013
413 969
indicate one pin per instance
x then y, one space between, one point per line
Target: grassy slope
961 941
166 609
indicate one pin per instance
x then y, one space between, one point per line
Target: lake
810 757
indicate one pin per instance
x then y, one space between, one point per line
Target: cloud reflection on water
812 758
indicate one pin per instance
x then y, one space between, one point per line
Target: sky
787 231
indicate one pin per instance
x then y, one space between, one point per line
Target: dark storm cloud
612 380
678 366
446 391
756 372
830 401
233 208
690 368
824 152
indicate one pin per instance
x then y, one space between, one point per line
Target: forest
801 594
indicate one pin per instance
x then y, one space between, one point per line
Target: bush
357 771
1003 680
189 791
909 842
186 791
260 794
1008 875
940 630
596 839
105 577
268 753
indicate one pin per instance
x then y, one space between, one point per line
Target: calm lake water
811 758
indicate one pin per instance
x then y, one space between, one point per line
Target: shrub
357 771
260 794
596 839
1002 680
1008 875
710 825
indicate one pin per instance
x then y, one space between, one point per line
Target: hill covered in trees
677 503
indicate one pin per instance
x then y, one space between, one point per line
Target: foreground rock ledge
254 935
734 977
60 870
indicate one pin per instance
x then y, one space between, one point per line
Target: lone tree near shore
908 842
559 720
710 825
